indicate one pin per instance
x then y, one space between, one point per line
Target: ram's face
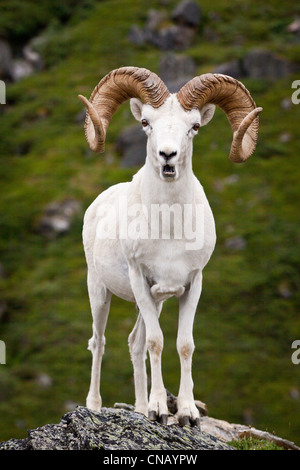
170 130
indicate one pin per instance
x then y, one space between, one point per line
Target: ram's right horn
115 88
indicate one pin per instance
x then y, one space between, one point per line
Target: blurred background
248 315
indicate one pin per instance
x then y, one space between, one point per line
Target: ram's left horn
235 100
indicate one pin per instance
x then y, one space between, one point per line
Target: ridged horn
115 88
235 100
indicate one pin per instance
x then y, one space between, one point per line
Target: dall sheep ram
134 248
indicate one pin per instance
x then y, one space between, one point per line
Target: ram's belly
112 267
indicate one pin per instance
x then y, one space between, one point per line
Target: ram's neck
154 190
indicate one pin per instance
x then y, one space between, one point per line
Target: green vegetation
245 325
20 21
249 443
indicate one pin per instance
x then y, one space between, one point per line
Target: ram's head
172 120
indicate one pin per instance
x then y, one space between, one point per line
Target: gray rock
294 29
154 20
176 70
187 13
57 218
6 64
294 393
113 429
21 68
33 57
174 37
230 431
284 290
131 145
80 116
3 309
259 63
124 406
137 36
15 69
286 103
236 243
44 380
285 137
233 69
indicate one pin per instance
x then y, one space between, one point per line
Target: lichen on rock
113 429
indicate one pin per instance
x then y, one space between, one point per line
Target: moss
249 443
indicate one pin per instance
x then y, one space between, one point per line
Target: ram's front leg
157 407
187 411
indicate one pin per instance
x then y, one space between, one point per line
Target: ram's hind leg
100 303
138 353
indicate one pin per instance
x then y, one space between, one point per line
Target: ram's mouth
169 171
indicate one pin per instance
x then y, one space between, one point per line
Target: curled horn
235 100
115 88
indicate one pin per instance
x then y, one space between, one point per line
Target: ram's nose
167 154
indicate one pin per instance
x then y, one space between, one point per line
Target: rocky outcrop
121 428
113 429
176 32
294 29
258 64
187 13
13 69
6 63
233 68
176 70
131 145
57 218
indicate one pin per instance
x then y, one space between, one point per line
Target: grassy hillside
248 315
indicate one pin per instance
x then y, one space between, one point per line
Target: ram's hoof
185 420
196 422
162 419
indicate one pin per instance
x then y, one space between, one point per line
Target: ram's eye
196 126
145 122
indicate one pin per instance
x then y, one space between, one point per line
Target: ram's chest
166 262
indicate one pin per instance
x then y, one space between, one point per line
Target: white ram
135 248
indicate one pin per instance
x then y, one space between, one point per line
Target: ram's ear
136 108
207 113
